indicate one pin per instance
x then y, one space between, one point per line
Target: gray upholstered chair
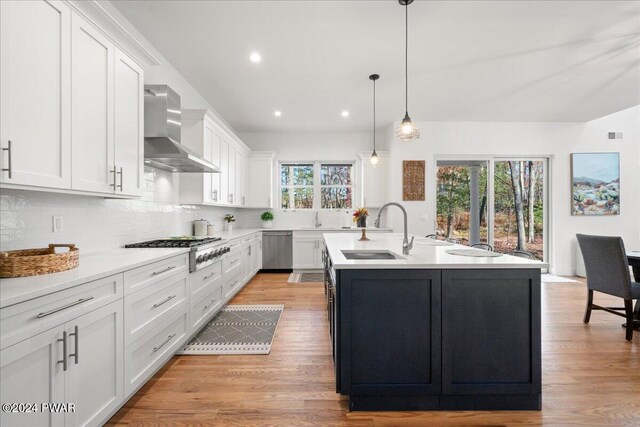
483 246
607 268
523 254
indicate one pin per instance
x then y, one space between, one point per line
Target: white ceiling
468 60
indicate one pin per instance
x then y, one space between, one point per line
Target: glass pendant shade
374 160
407 131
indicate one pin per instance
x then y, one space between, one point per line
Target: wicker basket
34 262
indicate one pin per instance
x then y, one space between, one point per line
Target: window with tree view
296 182
300 187
336 186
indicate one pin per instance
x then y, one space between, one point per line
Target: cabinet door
318 255
231 174
261 182
129 125
92 57
239 197
30 372
95 376
224 172
245 181
304 252
35 104
494 299
216 159
380 354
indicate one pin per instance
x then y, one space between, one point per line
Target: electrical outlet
58 224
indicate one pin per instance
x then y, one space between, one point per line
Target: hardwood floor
591 374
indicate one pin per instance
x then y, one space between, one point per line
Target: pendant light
407 131
374 160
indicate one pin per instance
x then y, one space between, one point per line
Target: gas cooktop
175 242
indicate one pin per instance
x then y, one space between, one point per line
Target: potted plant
360 217
267 219
229 219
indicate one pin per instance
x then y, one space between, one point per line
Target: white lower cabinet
151 351
79 362
307 252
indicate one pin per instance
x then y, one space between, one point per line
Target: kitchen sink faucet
406 244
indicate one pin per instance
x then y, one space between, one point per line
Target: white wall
312 146
558 140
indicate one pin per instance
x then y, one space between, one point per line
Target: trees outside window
300 187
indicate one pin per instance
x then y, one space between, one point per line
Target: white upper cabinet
374 180
203 133
260 177
92 58
62 73
35 93
129 125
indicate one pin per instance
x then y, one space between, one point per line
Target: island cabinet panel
393 344
491 332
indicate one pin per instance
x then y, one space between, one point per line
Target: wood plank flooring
591 375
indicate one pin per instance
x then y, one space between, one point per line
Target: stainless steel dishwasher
277 250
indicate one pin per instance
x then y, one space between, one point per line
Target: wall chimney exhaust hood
162 147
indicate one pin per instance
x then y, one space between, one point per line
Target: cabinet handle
64 307
64 350
209 276
76 338
8 168
158 304
215 195
121 178
115 174
155 273
234 261
209 305
249 250
242 200
169 338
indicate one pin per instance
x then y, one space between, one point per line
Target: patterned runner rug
237 329
306 278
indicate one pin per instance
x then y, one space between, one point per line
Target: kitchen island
431 330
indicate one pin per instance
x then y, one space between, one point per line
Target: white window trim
317 187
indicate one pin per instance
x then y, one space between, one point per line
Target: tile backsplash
95 223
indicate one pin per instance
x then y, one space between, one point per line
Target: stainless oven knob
210 256
199 259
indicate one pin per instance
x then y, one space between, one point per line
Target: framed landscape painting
595 184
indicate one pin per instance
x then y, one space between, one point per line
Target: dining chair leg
628 310
587 312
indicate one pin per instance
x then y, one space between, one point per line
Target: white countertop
92 266
426 253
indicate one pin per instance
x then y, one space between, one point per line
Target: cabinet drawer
151 351
206 279
201 311
21 321
232 285
149 307
147 275
232 263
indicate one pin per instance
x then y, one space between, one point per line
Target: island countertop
426 254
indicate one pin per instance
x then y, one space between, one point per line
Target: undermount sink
370 255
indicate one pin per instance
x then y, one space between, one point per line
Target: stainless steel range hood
162 147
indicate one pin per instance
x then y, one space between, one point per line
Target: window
299 188
296 182
336 186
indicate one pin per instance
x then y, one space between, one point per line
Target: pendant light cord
406 58
374 116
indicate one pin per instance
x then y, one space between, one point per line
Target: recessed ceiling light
255 57
277 113
344 113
